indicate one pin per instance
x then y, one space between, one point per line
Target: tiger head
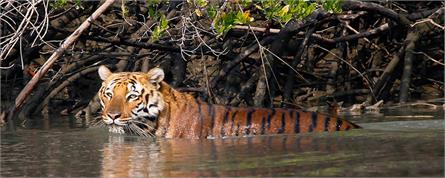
131 101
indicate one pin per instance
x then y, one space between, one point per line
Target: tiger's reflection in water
266 156
130 157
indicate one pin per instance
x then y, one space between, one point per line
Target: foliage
201 3
211 11
57 4
159 29
152 6
235 12
245 3
281 12
243 17
124 9
154 13
224 22
333 6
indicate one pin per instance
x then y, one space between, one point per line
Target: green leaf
159 30
78 4
243 17
211 11
124 9
163 22
152 6
284 10
333 6
258 7
59 4
246 3
153 12
225 22
153 3
201 3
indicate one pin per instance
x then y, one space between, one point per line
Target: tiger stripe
237 129
170 113
233 122
200 116
225 120
326 123
269 118
297 123
211 111
314 122
338 125
283 123
263 126
249 121
253 121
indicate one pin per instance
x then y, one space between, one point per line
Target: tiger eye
132 96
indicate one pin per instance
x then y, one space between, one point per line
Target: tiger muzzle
114 116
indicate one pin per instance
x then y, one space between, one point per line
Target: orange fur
183 116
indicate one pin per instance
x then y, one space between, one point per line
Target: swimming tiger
143 104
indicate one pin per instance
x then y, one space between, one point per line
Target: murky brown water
404 146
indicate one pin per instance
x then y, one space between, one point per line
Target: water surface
393 143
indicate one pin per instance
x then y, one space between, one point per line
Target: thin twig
350 65
430 21
47 65
428 57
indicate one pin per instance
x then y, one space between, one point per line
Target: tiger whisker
139 122
139 131
97 122
131 126
126 127
145 132
132 129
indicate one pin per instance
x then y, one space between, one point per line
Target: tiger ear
155 76
104 72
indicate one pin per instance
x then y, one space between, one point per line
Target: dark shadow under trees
390 51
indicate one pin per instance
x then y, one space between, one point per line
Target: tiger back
143 104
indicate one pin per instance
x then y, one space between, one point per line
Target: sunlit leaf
159 30
284 10
164 22
201 3
198 12
243 17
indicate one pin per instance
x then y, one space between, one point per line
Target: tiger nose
114 115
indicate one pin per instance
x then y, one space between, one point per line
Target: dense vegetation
288 53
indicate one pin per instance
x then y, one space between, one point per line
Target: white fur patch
153 111
116 129
108 120
134 89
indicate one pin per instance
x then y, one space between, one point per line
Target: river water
402 142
